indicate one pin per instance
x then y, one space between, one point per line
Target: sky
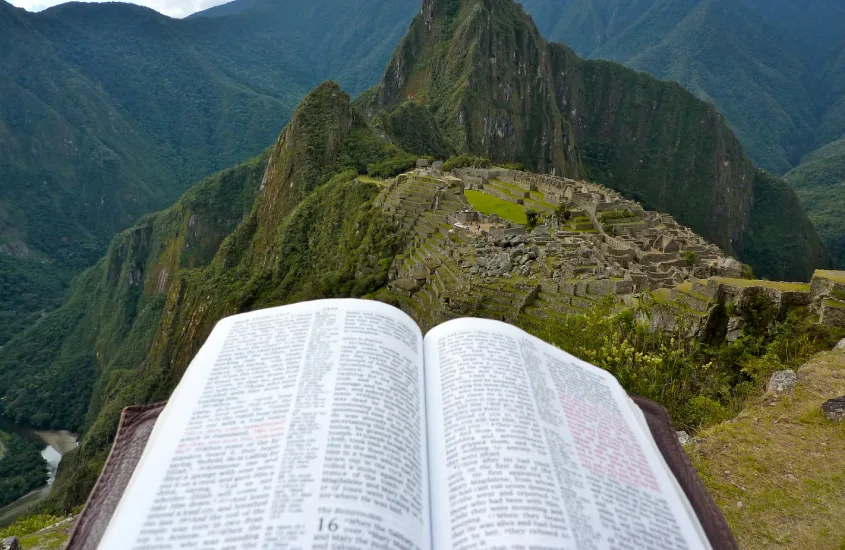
173 8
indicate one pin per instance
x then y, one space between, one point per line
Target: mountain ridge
557 113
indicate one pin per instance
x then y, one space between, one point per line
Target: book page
294 427
530 447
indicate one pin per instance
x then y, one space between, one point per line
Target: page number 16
330 525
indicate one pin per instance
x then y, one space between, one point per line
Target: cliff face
496 88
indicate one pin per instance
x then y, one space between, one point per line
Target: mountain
347 40
766 65
496 88
109 111
308 218
292 224
106 114
820 183
775 69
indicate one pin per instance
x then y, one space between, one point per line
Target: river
53 445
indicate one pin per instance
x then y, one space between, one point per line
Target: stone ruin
600 234
592 244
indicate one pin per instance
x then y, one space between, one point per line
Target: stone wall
832 313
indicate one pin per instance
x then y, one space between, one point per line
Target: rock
685 438
500 264
840 346
408 285
526 271
782 381
524 259
11 543
734 329
834 409
420 273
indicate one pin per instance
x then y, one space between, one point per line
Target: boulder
500 264
408 285
840 346
685 438
420 273
782 381
11 543
834 409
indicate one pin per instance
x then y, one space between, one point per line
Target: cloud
172 8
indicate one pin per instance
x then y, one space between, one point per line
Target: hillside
111 110
768 66
819 182
87 149
496 88
324 214
773 68
776 470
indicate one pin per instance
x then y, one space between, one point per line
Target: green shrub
28 525
699 384
533 218
690 257
392 166
466 161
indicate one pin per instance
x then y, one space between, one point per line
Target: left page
295 427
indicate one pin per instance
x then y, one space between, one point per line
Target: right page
530 447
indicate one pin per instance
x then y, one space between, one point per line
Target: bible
336 424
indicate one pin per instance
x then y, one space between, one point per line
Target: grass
40 532
747 283
777 470
661 295
834 304
488 204
368 179
835 276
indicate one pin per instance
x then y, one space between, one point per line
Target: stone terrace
594 246
457 261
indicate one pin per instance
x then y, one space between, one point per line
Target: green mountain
496 88
820 183
302 221
106 114
774 68
109 111
766 65
292 224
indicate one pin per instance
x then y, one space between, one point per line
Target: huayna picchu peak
494 87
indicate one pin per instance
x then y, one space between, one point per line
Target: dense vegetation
820 184
772 67
21 468
108 112
700 383
150 303
495 88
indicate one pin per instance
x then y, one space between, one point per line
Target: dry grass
778 469
745 283
836 276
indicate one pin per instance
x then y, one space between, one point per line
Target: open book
335 424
